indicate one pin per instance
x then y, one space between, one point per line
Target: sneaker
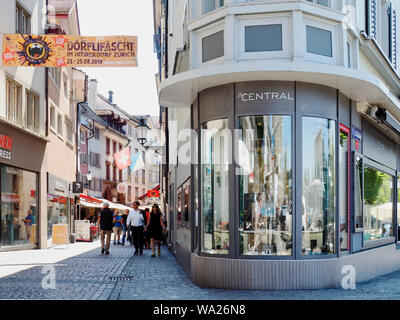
107 252
119 242
115 242
153 255
135 253
102 251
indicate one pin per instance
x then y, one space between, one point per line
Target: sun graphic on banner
34 51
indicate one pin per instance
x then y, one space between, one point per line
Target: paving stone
87 277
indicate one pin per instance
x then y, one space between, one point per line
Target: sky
134 88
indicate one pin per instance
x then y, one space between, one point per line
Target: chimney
110 96
92 93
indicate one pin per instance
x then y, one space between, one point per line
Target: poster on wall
22 50
60 234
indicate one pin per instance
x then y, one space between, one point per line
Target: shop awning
144 196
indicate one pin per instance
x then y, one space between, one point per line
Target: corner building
314 87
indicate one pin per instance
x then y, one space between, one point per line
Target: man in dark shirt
106 225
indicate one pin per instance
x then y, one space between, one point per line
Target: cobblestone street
122 276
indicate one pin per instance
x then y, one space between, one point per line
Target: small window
210 5
68 130
65 81
53 118
263 38
22 20
32 111
348 55
319 41
59 125
213 46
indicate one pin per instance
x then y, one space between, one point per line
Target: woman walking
154 228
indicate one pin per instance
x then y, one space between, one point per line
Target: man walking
106 225
135 222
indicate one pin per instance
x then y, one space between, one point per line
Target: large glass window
19 214
318 200
215 147
263 38
265 183
213 46
358 193
343 189
319 41
378 204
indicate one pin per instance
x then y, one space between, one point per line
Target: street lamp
89 178
141 131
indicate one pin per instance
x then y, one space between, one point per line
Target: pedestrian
155 227
135 223
146 235
125 232
117 228
106 225
28 221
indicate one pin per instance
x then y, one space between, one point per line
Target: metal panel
216 103
379 147
316 100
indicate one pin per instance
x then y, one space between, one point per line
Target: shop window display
215 186
19 216
343 190
378 204
265 182
318 199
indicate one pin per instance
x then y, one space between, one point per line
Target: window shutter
393 38
372 18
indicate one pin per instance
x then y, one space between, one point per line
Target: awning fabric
91 202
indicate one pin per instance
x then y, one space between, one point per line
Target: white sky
134 88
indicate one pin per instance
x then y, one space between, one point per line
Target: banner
123 159
23 50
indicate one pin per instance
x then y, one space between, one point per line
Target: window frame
216 6
379 167
203 33
263 20
326 26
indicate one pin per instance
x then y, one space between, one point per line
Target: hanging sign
69 51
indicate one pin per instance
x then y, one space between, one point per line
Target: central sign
265 96
58 51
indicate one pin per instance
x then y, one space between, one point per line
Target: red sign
5 142
123 159
153 194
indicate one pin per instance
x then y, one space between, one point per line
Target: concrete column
298 36
230 43
42 199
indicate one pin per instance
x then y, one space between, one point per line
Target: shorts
117 230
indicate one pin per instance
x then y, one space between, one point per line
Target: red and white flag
123 159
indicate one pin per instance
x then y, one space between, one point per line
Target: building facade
294 164
62 100
23 179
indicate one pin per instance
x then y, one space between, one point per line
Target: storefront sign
357 135
57 186
23 50
265 96
5 147
122 187
60 234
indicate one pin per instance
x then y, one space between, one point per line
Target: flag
122 159
137 162
153 193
